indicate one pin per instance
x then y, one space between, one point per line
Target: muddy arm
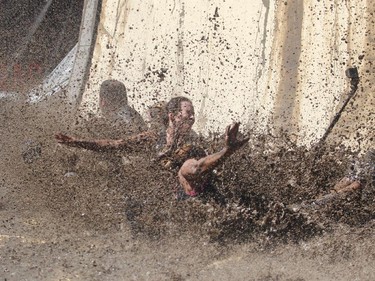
195 168
192 168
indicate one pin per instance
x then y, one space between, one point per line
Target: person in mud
175 147
114 105
360 173
115 113
115 117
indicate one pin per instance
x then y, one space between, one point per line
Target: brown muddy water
70 214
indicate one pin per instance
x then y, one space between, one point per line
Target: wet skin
194 173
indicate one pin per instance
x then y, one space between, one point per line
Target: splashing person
115 113
360 173
174 146
115 117
114 105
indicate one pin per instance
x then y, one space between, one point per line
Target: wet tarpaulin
57 80
36 36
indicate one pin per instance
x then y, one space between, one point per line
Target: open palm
231 140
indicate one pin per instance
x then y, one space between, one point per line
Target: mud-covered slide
275 67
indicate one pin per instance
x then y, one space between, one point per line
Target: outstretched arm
210 162
192 173
106 144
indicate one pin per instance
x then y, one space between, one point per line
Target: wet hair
155 115
113 92
173 106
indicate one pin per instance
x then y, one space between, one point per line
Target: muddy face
185 118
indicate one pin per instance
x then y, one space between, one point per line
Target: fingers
227 130
244 141
231 135
233 128
61 138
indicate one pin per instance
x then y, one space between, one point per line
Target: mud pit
114 217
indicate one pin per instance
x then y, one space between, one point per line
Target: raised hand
231 140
